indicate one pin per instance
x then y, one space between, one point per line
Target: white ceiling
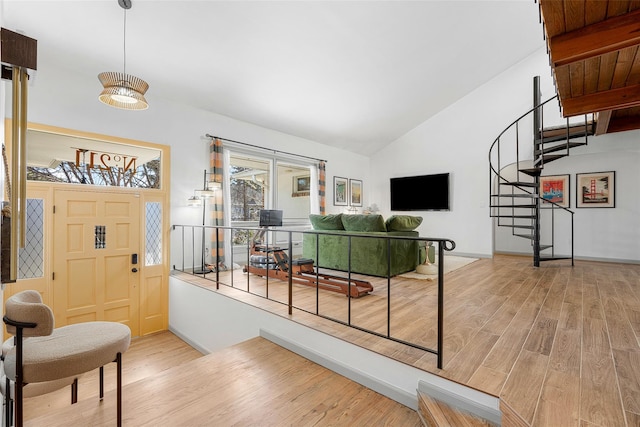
353 74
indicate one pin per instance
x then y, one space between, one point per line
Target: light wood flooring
255 383
559 344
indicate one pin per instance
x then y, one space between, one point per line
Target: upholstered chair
44 354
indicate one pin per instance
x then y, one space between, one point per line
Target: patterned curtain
322 182
216 204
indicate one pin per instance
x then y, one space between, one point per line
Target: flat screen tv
420 193
270 218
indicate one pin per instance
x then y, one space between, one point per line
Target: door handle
134 270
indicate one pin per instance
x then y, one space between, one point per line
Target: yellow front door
95 246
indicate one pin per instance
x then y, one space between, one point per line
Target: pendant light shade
122 90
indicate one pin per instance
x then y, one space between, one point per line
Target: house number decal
100 236
101 160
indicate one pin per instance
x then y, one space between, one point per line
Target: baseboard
468 254
575 257
186 339
460 402
350 372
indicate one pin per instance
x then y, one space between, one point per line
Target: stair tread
437 413
531 171
547 158
529 227
573 127
520 183
554 258
515 216
559 147
529 195
526 236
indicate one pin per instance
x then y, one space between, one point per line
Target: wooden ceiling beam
621 124
602 122
596 39
613 99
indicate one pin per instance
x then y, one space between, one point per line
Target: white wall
457 140
61 97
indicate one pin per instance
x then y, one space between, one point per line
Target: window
267 183
62 158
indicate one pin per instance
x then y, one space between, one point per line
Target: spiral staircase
515 199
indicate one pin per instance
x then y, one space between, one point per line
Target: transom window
54 157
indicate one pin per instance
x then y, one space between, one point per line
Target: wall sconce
194 201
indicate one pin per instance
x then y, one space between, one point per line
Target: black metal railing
191 251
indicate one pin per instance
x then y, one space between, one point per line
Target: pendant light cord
124 44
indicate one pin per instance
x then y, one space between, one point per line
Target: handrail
444 245
513 123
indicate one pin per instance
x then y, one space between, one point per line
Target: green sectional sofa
369 255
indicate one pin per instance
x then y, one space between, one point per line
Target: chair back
27 307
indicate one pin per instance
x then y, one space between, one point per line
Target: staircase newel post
537 136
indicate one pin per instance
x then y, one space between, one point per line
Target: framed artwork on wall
355 192
340 191
301 185
555 188
596 190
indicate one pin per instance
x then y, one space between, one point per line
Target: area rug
451 263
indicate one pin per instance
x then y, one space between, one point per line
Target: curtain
322 175
314 196
216 205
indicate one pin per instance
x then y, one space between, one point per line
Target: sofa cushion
368 223
326 222
403 222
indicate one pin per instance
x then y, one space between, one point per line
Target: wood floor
255 383
558 344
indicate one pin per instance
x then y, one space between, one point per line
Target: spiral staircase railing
515 199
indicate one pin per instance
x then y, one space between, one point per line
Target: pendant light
122 90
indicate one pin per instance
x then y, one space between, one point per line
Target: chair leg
119 386
74 391
101 382
19 379
8 405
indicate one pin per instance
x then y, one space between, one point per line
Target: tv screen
420 193
270 218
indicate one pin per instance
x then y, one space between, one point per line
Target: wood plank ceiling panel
623 67
605 73
573 15
595 11
594 49
553 12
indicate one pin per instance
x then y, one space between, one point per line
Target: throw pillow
326 222
370 223
403 222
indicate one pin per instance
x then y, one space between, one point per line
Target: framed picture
340 191
596 190
555 189
301 186
355 192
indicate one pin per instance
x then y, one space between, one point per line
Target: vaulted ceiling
594 50
351 74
